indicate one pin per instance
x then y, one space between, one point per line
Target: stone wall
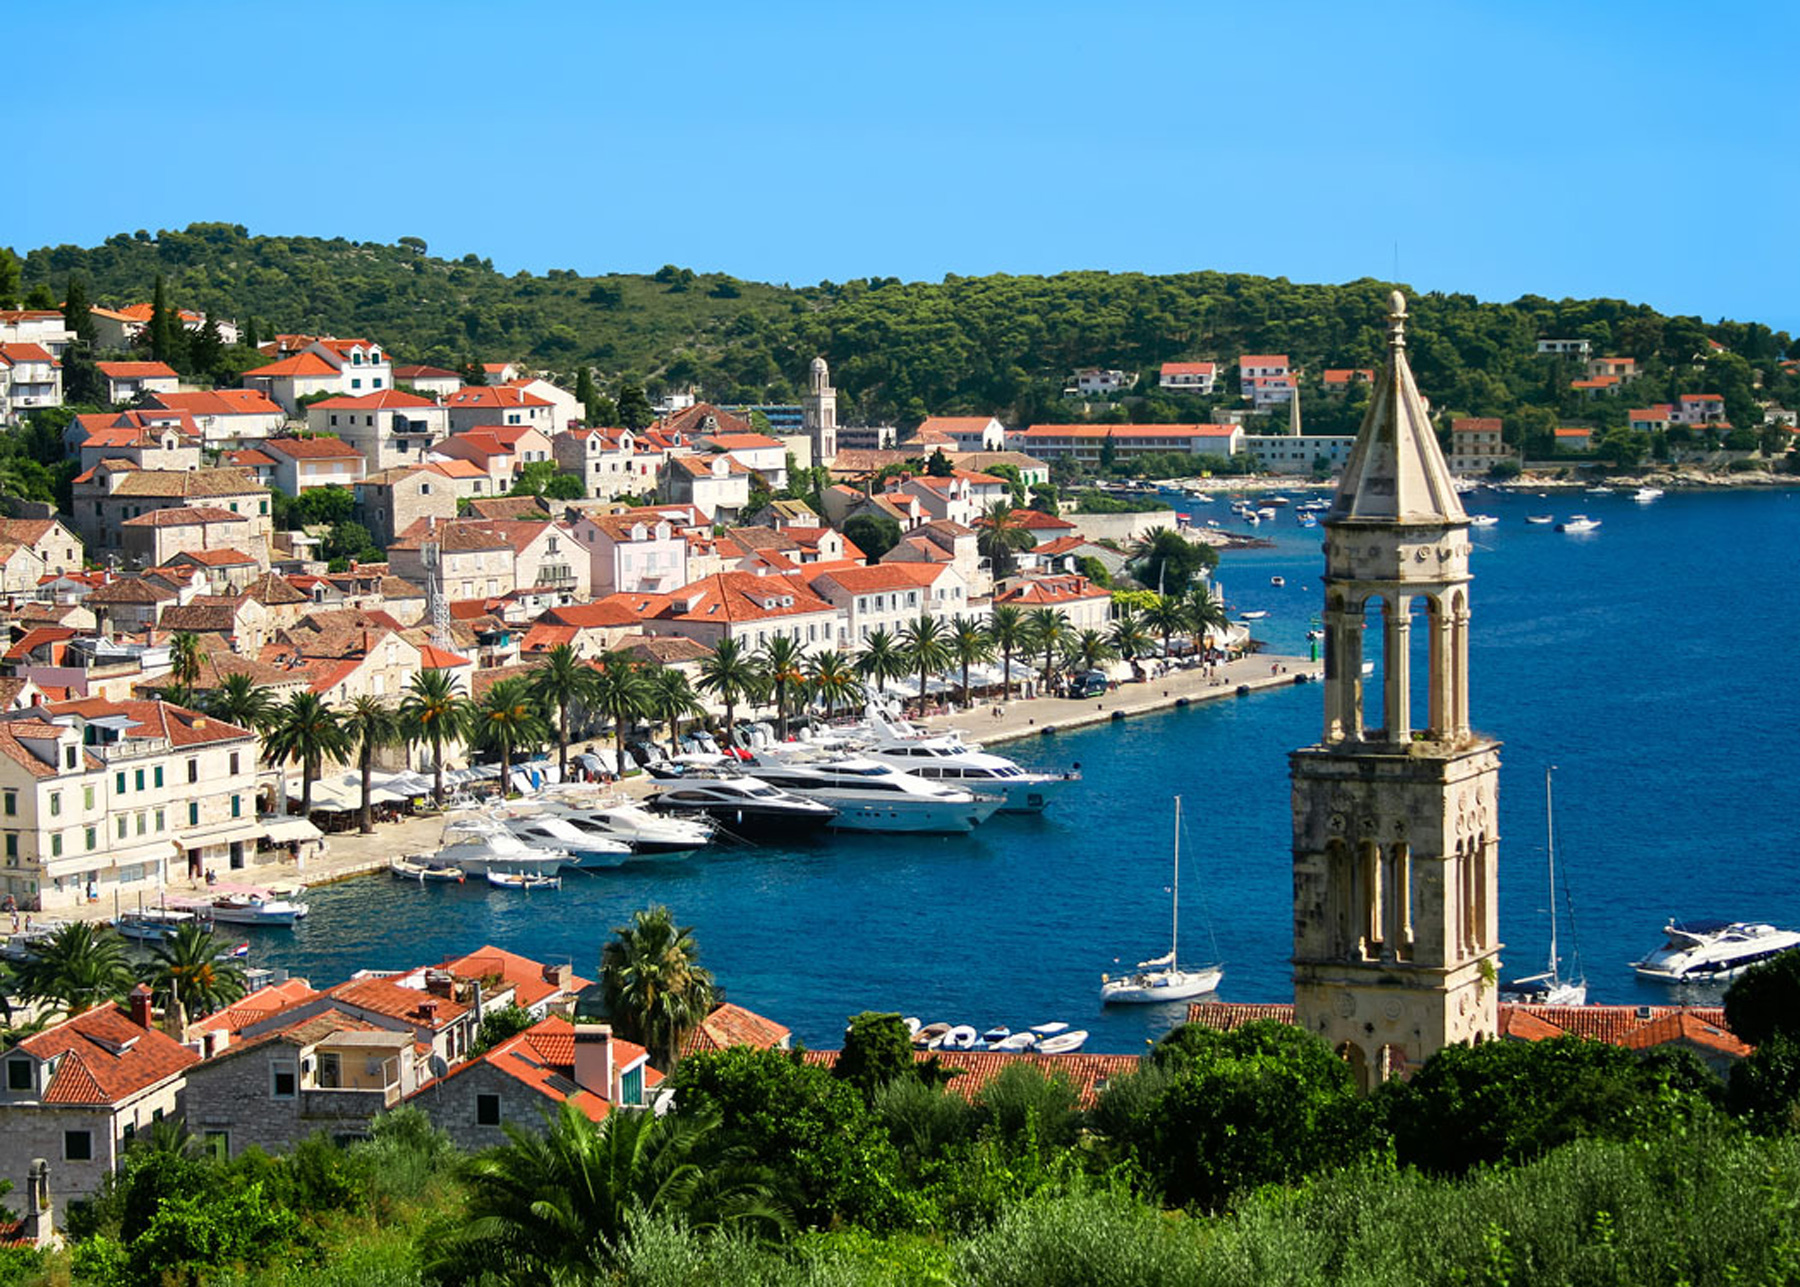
450 1102
1123 528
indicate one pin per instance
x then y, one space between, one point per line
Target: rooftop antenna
431 555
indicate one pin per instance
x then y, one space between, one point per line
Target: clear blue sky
1639 150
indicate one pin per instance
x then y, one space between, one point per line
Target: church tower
1396 942
818 413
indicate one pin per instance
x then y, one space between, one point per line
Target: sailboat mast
1175 902
1550 844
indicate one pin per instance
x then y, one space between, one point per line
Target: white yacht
478 844
586 846
1645 495
870 795
648 834
1483 520
946 758
744 807
1551 987
1578 523
1710 951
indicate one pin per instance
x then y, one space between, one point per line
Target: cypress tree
586 394
9 279
251 338
77 315
634 407
162 344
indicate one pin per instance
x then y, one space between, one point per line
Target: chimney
440 983
559 975
593 1058
40 1214
138 1006
428 1011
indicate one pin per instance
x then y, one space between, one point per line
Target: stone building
1395 853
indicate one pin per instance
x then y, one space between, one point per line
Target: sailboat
1162 978
1550 987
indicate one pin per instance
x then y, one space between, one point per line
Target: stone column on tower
1396 944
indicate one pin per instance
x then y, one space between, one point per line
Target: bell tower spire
1395 840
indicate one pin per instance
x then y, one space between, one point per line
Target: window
160 823
12 803
56 804
70 755
631 1086
158 776
143 822
119 782
487 1110
78 1146
217 1143
140 779
56 844
237 806
124 825
331 1073
12 846
93 839
284 1081
356 383
193 770
193 813
87 797
262 507
18 1074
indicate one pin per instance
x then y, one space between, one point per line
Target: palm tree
624 694
1205 613
881 659
186 975
77 968
1130 636
927 647
507 719
238 700
184 659
309 732
654 988
730 673
435 714
969 644
371 724
1047 628
564 680
1166 616
999 536
1006 627
1090 648
834 679
782 662
672 698
555 1206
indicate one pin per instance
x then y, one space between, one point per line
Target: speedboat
649 834
153 924
995 1035
1315 635
477 844
1540 518
1277 580
1579 523
1646 494
256 909
585 846
1266 514
872 795
407 869
1048 1029
1066 1043
1599 491
1711 951
744 807
522 880
1258 615
1483 520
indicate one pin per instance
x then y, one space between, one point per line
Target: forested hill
900 350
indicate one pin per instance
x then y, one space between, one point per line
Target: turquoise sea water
1651 661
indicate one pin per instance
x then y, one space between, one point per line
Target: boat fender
1243 690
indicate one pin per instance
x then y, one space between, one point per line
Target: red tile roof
412 1005
181 726
298 364
106 1058
219 402
731 1025
543 1058
743 596
382 400
311 449
1475 424
264 1003
1263 359
494 396
137 370
529 978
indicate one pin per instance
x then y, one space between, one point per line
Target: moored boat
1161 978
931 1036
1645 494
1578 523
1483 520
1064 1043
153 924
1540 518
522 880
255 908
422 869
1713 951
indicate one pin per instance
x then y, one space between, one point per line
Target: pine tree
251 336
205 347
473 373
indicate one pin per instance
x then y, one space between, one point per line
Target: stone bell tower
818 413
1396 943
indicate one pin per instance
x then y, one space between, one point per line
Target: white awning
285 831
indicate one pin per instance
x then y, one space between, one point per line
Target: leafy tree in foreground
873 534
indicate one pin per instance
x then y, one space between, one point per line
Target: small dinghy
995 1035
1540 518
912 1026
1048 1029
931 1036
1066 1043
526 880
961 1037
1018 1041
422 869
1277 580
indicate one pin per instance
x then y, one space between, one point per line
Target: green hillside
901 350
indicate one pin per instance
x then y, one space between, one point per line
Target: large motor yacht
479 844
586 846
873 796
1713 951
649 835
946 758
744 807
